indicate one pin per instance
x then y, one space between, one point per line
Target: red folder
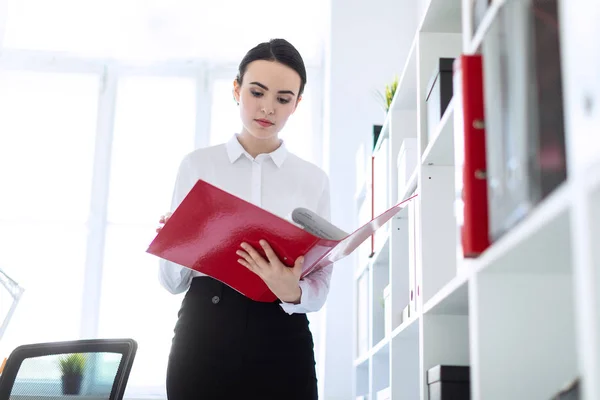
207 228
470 110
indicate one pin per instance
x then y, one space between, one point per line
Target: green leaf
72 364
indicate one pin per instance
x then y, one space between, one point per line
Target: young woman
227 346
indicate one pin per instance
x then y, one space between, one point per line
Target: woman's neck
255 146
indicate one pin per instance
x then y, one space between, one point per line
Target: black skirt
227 346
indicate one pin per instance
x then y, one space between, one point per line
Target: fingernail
263 243
301 260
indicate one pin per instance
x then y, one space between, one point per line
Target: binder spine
474 232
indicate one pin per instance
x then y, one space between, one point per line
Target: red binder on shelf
470 154
209 225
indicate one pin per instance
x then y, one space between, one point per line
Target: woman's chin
263 134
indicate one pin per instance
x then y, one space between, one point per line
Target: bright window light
155 119
54 239
47 133
130 29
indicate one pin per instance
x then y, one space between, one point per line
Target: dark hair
279 50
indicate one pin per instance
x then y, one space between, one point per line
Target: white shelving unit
525 315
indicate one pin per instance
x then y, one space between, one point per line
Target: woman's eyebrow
266 88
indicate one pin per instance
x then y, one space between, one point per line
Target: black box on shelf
449 382
376 132
570 392
439 93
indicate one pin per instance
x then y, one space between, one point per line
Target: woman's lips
264 123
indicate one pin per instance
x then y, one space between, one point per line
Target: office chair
93 369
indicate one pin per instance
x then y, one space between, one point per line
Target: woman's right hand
163 220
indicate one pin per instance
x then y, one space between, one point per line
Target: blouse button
215 299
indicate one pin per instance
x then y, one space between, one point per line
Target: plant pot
71 384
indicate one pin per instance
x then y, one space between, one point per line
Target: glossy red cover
209 225
475 231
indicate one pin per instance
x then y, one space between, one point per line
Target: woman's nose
268 108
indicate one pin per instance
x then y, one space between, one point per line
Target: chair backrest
95 369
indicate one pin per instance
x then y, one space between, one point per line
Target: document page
315 224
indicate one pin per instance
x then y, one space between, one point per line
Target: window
161 29
155 119
299 131
225 113
52 136
47 132
154 129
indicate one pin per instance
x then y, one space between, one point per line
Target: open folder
209 225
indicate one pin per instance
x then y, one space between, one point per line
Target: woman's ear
236 91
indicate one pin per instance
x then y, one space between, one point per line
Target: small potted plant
71 367
388 95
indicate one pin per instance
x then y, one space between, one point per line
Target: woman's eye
256 94
283 101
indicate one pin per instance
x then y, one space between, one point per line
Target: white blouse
278 182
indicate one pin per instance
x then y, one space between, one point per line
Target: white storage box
407 162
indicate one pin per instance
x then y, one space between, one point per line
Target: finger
256 257
245 256
271 256
298 266
165 217
247 265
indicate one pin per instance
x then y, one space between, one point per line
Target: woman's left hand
281 279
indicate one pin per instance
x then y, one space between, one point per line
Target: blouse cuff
303 306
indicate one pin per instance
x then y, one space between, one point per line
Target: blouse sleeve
174 277
315 286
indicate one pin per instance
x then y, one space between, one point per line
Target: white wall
366 47
3 12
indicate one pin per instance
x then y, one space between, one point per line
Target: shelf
452 299
541 234
534 345
442 16
484 26
381 348
360 195
362 360
363 266
592 179
405 97
380 367
404 361
407 329
382 254
411 185
440 150
523 311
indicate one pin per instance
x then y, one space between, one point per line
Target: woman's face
267 97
